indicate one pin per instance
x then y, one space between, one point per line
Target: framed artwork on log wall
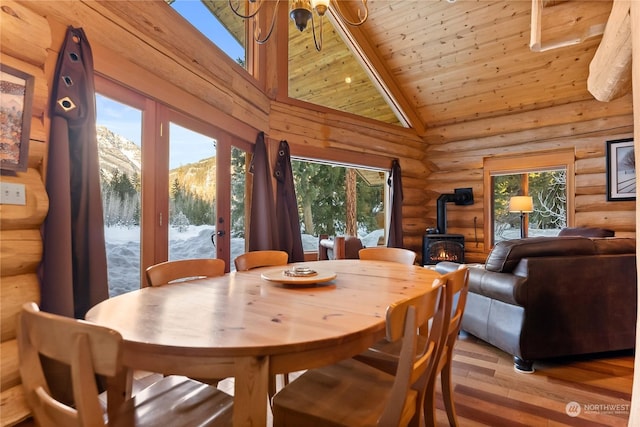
621 170
16 95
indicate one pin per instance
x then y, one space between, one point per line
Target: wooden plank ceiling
448 62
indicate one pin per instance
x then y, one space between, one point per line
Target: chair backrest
456 299
331 248
403 321
381 253
338 247
87 348
169 271
255 259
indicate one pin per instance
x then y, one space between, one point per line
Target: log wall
25 38
191 77
194 78
456 156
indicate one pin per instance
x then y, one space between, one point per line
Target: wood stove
442 247
437 245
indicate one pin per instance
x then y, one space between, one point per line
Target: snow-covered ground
123 251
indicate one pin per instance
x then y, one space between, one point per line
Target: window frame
521 164
154 200
386 197
348 159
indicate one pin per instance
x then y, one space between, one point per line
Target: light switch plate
12 194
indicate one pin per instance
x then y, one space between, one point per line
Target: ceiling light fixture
301 13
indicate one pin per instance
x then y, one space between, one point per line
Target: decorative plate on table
298 275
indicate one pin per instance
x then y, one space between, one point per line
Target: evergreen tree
321 194
238 183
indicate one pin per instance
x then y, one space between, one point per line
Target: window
337 81
165 184
549 195
547 178
192 192
334 77
215 21
335 199
119 132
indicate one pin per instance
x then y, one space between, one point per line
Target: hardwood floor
488 392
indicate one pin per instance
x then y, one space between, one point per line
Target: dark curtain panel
395 228
73 271
262 225
290 239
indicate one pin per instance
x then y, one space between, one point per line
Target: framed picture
621 170
16 93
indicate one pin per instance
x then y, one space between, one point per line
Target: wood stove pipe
441 214
462 196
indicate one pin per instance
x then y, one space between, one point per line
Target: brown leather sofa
545 297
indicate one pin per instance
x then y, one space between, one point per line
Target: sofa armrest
500 286
589 302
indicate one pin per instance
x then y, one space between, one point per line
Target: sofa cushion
506 254
587 232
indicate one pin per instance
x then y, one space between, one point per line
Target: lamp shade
521 204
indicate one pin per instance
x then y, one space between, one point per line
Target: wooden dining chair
382 253
91 350
168 272
352 393
255 259
385 356
455 292
338 247
171 271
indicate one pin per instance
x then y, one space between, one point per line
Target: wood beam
376 69
610 69
565 23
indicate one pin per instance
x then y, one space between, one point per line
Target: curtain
395 227
262 226
290 239
73 272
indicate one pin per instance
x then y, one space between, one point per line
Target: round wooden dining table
251 325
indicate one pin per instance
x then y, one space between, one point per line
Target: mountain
118 153
199 178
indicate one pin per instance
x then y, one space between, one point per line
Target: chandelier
301 13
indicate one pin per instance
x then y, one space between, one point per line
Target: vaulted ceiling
449 62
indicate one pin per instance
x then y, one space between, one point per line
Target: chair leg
271 390
273 385
429 405
447 393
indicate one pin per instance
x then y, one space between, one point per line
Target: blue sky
186 147
200 17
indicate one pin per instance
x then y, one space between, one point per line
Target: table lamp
521 205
